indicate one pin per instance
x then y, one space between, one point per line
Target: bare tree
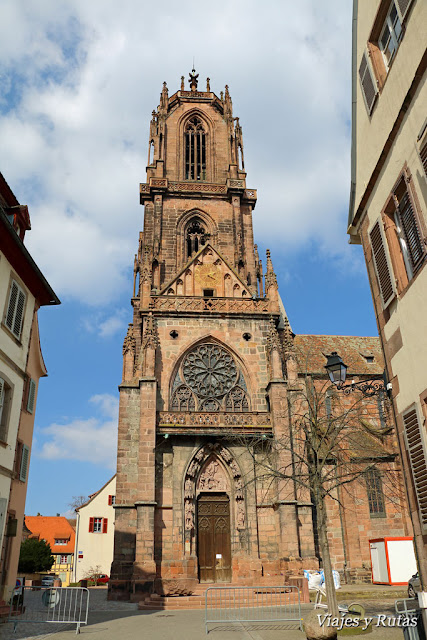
333 440
76 502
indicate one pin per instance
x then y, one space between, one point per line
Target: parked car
47 581
99 578
414 585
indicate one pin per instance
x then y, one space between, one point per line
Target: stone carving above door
212 477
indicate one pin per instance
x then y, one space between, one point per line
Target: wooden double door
214 537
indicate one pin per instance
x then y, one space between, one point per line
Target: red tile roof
51 528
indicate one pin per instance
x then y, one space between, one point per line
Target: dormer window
195 150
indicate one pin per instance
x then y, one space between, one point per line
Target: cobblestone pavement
40 630
113 620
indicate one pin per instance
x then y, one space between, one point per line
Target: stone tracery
209 379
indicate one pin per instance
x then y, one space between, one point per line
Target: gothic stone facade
209 363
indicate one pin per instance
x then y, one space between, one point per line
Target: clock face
208 275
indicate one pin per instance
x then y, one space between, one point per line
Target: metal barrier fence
252 604
410 609
59 605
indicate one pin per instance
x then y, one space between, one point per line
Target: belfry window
195 150
196 237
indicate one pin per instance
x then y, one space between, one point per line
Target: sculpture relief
212 478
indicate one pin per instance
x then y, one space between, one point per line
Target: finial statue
222 96
182 84
193 80
208 84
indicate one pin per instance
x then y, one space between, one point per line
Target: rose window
212 379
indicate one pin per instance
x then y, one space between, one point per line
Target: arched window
195 150
209 379
196 236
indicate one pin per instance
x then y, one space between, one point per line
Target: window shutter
418 456
110 499
24 463
423 155
69 559
1 397
90 525
13 296
411 231
17 325
403 7
381 264
31 396
104 525
367 82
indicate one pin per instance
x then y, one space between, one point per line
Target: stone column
144 569
286 504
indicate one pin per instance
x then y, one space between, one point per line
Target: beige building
95 533
23 289
388 214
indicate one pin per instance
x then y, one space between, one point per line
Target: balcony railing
222 421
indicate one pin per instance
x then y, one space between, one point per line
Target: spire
228 105
164 98
182 83
208 84
193 80
150 339
270 276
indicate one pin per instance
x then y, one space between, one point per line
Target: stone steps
155 602
4 610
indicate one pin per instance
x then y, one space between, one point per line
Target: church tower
203 370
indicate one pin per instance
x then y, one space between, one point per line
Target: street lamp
337 372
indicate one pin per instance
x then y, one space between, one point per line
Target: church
210 366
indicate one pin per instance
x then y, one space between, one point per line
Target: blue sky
78 83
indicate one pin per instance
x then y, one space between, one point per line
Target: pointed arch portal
213 505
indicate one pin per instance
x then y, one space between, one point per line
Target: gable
207 270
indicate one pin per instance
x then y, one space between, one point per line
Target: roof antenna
193 64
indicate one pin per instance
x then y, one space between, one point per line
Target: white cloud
91 440
106 326
80 80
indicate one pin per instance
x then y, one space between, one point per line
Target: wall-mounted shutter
367 83
415 440
25 458
69 559
411 231
110 499
17 325
1 397
381 264
15 309
31 396
91 525
423 156
104 525
403 7
13 296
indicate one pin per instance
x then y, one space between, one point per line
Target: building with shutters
388 214
95 533
23 289
60 535
211 369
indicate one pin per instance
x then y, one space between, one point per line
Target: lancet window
209 379
196 236
195 150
